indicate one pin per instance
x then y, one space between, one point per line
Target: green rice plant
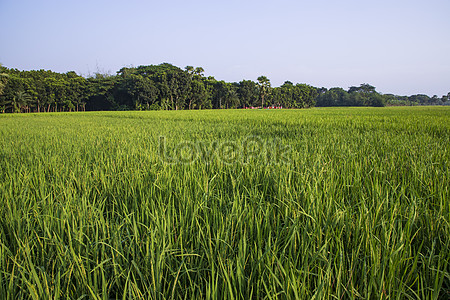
335 203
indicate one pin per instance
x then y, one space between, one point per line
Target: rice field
331 203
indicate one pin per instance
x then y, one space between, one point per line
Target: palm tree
264 88
189 70
232 98
20 101
199 71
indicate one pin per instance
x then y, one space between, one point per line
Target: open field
332 203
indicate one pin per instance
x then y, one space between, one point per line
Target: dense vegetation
167 87
358 209
365 95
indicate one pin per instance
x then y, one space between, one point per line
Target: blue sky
400 47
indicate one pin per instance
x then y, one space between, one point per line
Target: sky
400 47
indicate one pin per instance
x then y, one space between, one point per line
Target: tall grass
89 209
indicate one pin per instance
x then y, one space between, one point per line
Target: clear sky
399 46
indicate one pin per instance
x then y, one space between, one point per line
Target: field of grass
336 203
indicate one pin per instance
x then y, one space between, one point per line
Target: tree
142 90
334 97
199 71
197 93
101 93
376 100
220 94
78 92
194 72
189 70
264 88
283 96
304 96
365 95
20 101
434 100
231 96
3 80
420 99
178 88
363 88
248 93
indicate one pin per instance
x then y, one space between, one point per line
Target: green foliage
3 81
294 96
364 95
248 93
48 91
89 209
264 88
168 87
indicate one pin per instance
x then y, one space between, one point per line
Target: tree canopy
168 87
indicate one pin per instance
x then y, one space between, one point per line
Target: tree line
366 95
167 87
